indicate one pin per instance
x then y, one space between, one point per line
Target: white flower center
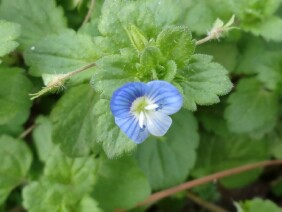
140 108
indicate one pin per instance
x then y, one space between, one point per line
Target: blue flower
141 109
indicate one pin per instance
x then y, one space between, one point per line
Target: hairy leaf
167 161
204 82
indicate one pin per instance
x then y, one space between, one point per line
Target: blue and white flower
141 109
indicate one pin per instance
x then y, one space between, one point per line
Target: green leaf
62 53
66 181
111 74
224 53
88 204
204 82
88 121
257 205
9 32
212 119
14 99
16 162
264 60
73 114
120 184
176 44
37 18
270 29
42 137
220 153
167 161
115 142
252 108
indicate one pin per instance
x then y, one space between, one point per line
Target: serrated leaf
252 108
14 99
167 161
264 60
115 179
257 205
234 151
16 162
9 32
42 137
66 181
37 18
176 44
204 82
74 114
110 75
62 53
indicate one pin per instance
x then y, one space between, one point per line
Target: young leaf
176 44
14 100
37 18
229 151
113 72
204 82
167 161
16 162
252 108
9 32
66 181
120 184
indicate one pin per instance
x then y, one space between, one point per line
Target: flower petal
130 126
157 123
123 97
165 95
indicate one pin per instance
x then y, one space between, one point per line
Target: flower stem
204 40
210 178
59 81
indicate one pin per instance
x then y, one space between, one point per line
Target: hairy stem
210 178
59 81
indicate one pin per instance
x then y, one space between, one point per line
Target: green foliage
252 108
234 152
9 32
82 161
15 165
257 205
65 182
204 82
37 18
167 161
14 101
120 184
62 53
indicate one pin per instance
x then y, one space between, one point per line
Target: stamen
142 120
151 107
